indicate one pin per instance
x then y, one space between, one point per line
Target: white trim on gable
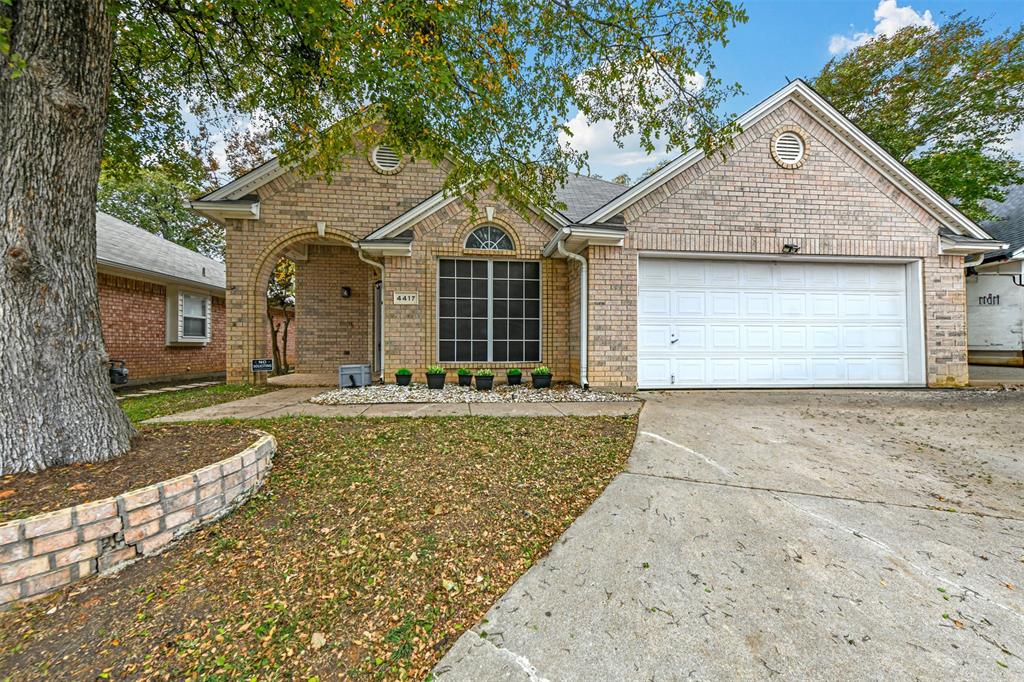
248 183
801 94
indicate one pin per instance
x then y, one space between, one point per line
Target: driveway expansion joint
841 498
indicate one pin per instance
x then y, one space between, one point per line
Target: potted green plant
541 377
403 376
465 377
514 376
435 377
484 379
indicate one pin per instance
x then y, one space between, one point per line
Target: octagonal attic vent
788 149
385 159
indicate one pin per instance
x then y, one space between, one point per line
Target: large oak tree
486 85
943 100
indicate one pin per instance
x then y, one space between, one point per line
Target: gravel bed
419 393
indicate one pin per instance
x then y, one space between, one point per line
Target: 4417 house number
406 298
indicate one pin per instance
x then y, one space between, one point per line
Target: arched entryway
334 303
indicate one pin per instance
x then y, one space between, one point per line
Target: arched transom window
490 238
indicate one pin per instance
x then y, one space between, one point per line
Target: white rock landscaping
453 393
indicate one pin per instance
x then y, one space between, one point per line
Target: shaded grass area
374 544
158 453
160 404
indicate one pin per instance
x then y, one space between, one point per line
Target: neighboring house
995 289
806 257
161 305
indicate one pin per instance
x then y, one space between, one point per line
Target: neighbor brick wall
335 330
133 314
45 552
835 204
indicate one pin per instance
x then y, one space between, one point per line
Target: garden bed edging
48 551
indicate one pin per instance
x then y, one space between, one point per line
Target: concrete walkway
811 535
293 402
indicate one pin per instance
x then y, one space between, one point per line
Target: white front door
748 323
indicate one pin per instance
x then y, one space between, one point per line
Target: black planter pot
541 380
403 379
484 383
465 380
514 379
435 381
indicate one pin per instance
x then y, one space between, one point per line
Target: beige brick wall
410 332
336 330
835 204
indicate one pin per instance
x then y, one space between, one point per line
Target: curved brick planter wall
45 552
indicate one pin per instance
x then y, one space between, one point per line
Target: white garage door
725 323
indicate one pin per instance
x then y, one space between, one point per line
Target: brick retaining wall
48 551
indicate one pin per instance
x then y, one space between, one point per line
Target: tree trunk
275 350
56 405
284 343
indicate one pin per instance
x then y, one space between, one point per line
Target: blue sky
793 38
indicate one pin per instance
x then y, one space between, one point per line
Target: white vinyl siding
734 323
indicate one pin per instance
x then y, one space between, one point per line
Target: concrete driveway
791 535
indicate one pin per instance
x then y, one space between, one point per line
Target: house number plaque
406 298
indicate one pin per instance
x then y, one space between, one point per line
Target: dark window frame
450 323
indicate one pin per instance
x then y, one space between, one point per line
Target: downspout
380 267
583 310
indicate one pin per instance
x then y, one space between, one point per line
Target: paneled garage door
730 323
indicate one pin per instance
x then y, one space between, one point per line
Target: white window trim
176 317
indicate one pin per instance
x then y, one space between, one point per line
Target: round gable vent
385 160
788 149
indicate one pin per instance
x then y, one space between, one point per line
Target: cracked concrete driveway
790 534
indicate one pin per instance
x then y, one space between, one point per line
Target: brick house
161 305
803 256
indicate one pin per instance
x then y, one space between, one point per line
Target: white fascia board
949 247
384 249
131 272
941 210
226 209
248 183
578 238
417 213
430 206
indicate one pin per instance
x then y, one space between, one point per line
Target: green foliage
403 372
514 372
435 369
942 100
485 372
153 199
463 372
484 87
541 371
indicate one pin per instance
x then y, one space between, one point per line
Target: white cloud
606 157
889 18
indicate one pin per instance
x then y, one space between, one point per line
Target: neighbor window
488 311
194 316
490 238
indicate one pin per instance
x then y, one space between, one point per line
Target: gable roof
1009 225
805 97
123 246
582 195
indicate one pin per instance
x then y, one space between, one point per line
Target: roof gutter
584 328
969 247
380 268
222 210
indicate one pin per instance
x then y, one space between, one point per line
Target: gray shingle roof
1010 225
583 195
121 245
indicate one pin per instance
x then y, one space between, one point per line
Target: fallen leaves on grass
373 546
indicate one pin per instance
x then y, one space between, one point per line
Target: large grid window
489 311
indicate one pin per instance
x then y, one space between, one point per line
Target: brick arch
253 296
467 227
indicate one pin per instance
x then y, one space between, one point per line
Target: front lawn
374 544
159 404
